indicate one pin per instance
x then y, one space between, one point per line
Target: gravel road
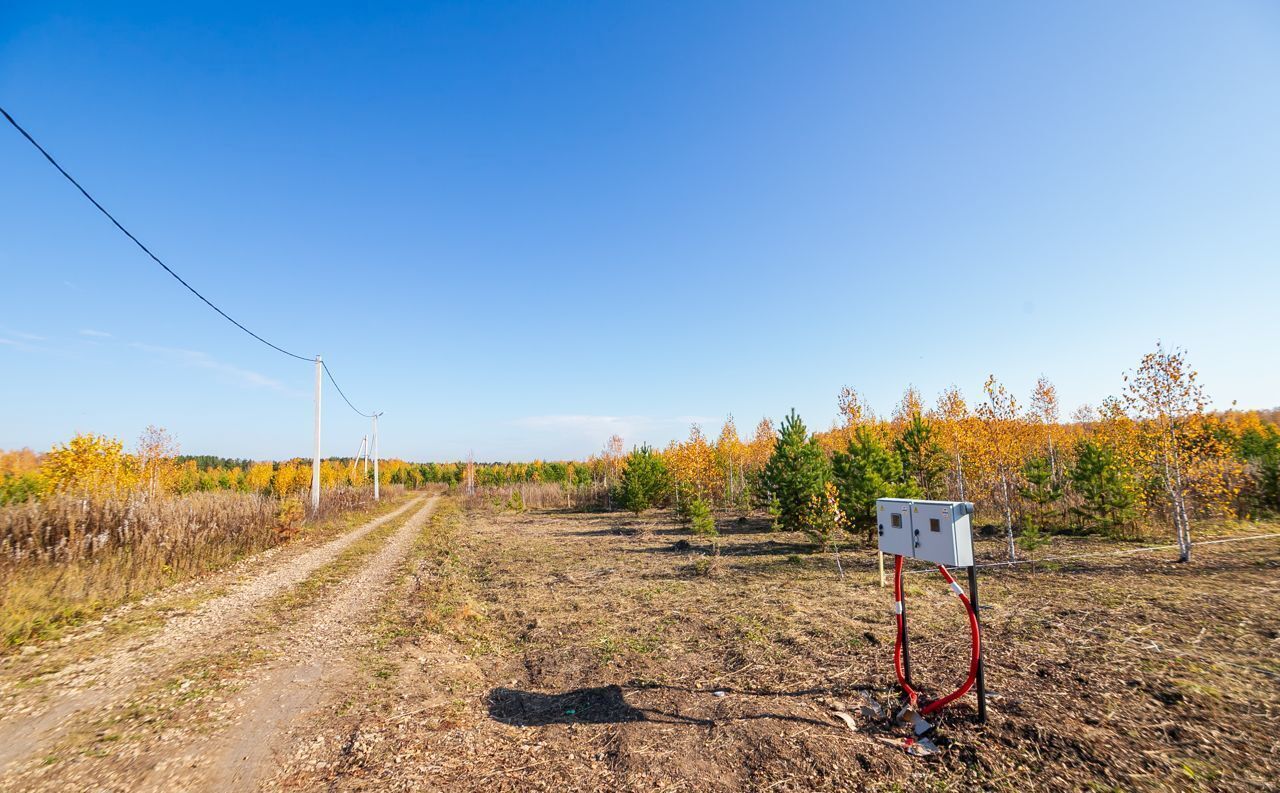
35 717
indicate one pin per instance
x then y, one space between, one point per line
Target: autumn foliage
1154 457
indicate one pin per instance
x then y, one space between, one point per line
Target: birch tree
955 434
1044 411
1175 441
1001 446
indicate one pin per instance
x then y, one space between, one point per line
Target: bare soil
551 650
592 652
47 698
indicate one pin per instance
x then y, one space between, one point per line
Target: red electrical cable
897 644
975 644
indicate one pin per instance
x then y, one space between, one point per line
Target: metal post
375 456
315 460
982 677
906 648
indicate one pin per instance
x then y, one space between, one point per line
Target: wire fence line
1122 552
1128 643
166 267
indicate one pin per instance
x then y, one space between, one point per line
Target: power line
166 267
137 242
344 396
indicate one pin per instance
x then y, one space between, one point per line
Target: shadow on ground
600 705
607 705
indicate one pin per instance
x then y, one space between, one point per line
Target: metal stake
906 648
982 677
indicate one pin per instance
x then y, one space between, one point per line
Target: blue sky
520 227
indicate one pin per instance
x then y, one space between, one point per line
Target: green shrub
17 488
1108 494
516 502
644 480
1032 538
703 523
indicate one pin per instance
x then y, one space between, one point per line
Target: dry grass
539 495
566 651
65 559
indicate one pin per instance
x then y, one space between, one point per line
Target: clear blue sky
519 227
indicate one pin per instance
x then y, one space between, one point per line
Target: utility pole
375 456
363 452
315 460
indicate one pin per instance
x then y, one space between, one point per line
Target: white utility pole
363 452
375 455
315 460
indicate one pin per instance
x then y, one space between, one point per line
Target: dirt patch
319 653
37 713
567 651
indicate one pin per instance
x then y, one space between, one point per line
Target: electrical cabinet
933 531
894 519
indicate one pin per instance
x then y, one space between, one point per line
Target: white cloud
20 345
194 358
96 334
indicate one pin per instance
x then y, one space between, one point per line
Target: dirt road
447 649
599 652
115 715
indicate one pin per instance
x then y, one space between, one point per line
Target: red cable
897 644
975 644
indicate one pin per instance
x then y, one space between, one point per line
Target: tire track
35 716
317 651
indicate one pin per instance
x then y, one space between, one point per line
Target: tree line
1153 456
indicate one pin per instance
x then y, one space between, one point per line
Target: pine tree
865 472
796 472
643 482
1106 491
703 523
923 458
1043 493
1260 449
1040 490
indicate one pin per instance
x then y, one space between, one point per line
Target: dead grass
189 699
565 651
538 495
65 560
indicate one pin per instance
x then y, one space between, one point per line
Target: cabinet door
934 528
894 519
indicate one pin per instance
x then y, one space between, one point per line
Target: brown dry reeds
64 558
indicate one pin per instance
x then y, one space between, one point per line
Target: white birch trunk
1008 517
